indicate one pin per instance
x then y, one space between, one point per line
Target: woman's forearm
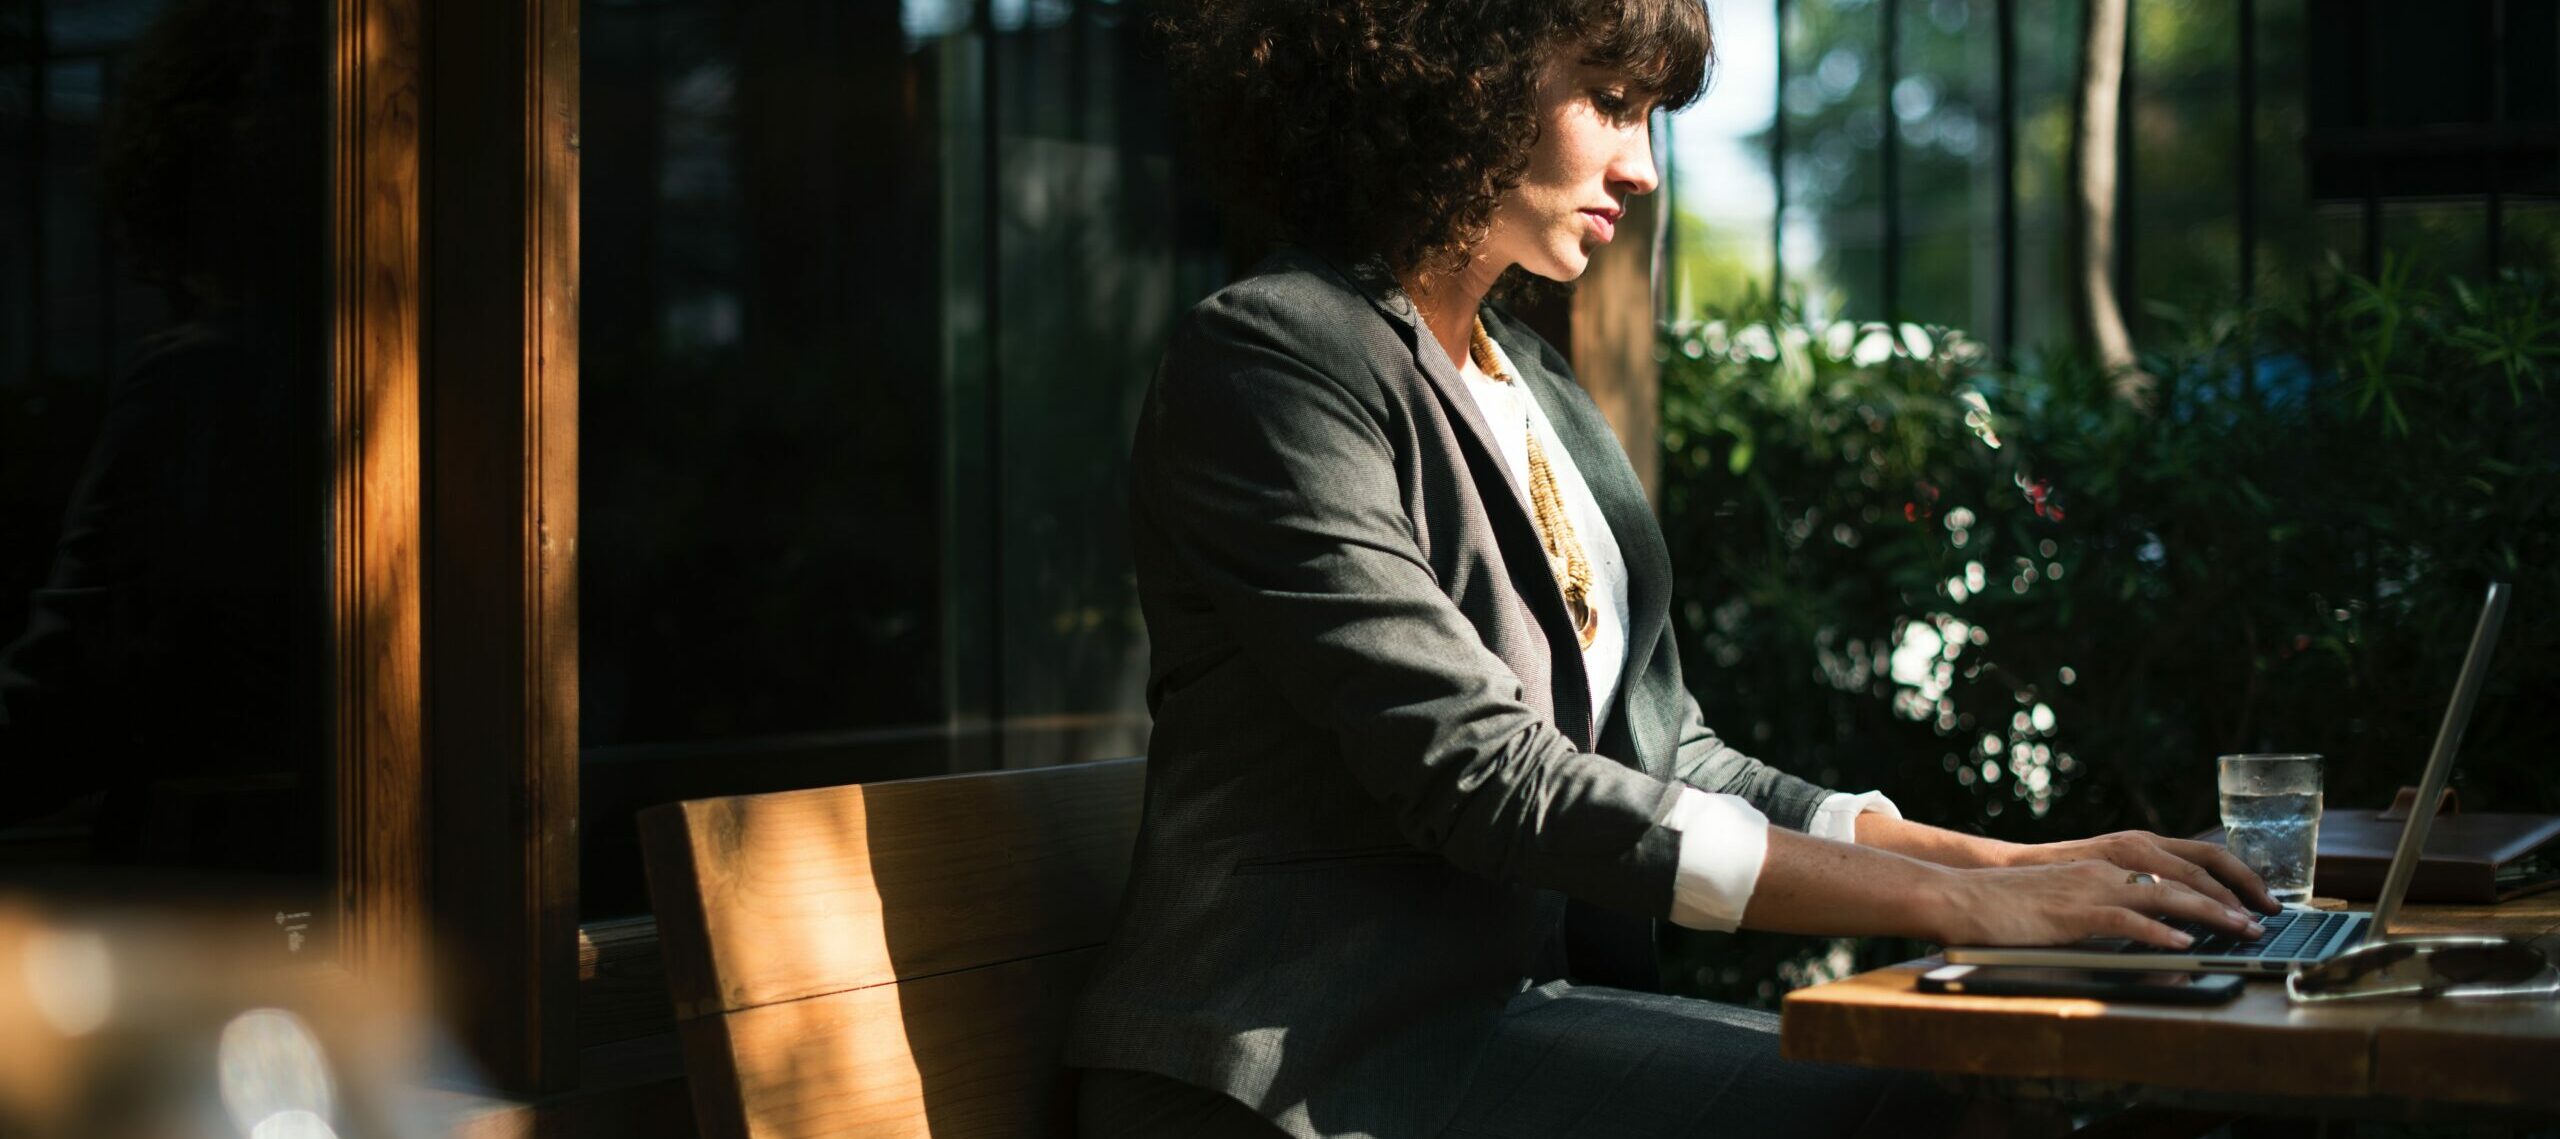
1932 844
1809 885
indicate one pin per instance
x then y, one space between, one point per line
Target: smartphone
2097 984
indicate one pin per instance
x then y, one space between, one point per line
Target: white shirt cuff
1837 818
1723 841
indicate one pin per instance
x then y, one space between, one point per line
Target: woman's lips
1604 223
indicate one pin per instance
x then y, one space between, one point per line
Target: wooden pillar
1611 341
502 613
376 623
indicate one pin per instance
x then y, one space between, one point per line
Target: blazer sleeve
1704 761
1272 481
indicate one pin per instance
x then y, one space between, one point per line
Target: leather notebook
2479 857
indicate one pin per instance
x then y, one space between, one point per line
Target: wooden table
2387 1058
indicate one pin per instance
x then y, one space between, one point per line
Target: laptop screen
2466 692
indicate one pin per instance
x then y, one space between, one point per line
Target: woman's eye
1613 105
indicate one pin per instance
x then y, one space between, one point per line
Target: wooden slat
768 898
957 1056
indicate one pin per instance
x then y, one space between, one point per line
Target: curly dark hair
1390 128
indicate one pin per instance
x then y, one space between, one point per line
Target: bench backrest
890 959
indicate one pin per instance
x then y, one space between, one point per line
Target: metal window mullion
2360 101
1890 54
39 122
2497 80
2248 156
2127 96
1778 164
2007 334
2248 170
106 244
991 154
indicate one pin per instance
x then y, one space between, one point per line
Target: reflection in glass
762 511
1085 264
870 293
163 680
762 471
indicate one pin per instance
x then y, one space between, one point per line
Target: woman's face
1594 151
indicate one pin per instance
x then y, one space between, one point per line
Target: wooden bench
888 960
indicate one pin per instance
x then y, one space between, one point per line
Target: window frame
381 878
454 457
500 428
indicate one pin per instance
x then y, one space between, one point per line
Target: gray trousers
1572 1061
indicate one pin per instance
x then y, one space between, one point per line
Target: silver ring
2138 878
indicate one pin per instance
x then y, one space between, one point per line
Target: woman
1424 769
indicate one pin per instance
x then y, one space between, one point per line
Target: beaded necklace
1565 555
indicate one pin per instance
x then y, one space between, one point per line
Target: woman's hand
2202 867
2059 903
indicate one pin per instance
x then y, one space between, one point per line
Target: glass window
2529 236
1831 240
2287 250
1945 105
2414 157
2438 239
2182 199
2048 76
164 674
871 291
1085 273
1724 197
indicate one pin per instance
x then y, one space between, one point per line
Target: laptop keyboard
2291 934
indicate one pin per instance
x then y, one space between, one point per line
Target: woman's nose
1632 167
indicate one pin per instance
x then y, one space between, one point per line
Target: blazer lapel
1603 463
1514 530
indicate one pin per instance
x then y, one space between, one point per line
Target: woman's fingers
2203 867
2117 922
2061 903
2154 858
2227 867
2177 900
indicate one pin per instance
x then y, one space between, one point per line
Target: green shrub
2021 606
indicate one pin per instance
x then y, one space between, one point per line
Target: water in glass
2271 818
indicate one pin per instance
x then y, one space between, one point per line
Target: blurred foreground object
177 1024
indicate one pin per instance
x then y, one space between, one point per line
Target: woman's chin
1562 269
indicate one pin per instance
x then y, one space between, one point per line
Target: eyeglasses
2457 967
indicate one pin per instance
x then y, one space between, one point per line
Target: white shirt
1724 840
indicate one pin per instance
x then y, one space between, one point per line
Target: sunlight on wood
897 959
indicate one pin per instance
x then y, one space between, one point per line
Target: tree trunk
2099 116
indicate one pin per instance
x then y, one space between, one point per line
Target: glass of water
2271 818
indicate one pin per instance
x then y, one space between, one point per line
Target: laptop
2298 936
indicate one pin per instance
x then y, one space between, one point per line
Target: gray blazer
1372 785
